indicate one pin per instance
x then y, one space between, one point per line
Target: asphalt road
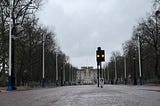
85 95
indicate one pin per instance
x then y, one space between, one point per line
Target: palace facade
86 75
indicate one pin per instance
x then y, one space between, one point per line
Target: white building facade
86 75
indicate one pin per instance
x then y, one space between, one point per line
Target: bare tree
149 32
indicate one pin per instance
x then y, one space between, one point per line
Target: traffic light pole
100 57
101 73
98 73
100 70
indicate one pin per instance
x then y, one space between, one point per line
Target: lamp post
134 68
10 87
56 68
140 68
157 30
125 70
70 73
125 64
64 74
61 76
11 76
43 77
108 74
115 70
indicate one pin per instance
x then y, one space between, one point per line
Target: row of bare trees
148 31
27 46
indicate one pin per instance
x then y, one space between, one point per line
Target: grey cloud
82 25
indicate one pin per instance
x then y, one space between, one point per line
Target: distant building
86 75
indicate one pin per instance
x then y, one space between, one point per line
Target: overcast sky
83 25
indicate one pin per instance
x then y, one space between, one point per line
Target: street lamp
108 73
56 69
115 70
157 35
125 70
43 77
10 87
139 56
69 74
11 76
64 73
135 80
125 66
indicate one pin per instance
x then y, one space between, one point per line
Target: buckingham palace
86 75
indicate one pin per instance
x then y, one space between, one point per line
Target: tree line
27 47
148 31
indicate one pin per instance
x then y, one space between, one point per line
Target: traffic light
100 55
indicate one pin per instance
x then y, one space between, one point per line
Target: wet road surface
85 95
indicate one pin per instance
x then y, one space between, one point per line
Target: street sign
101 81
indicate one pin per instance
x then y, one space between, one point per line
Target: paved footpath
85 95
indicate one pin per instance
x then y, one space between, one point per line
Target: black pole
98 73
101 72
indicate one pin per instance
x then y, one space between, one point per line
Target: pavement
19 88
84 95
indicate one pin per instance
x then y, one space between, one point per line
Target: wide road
85 95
